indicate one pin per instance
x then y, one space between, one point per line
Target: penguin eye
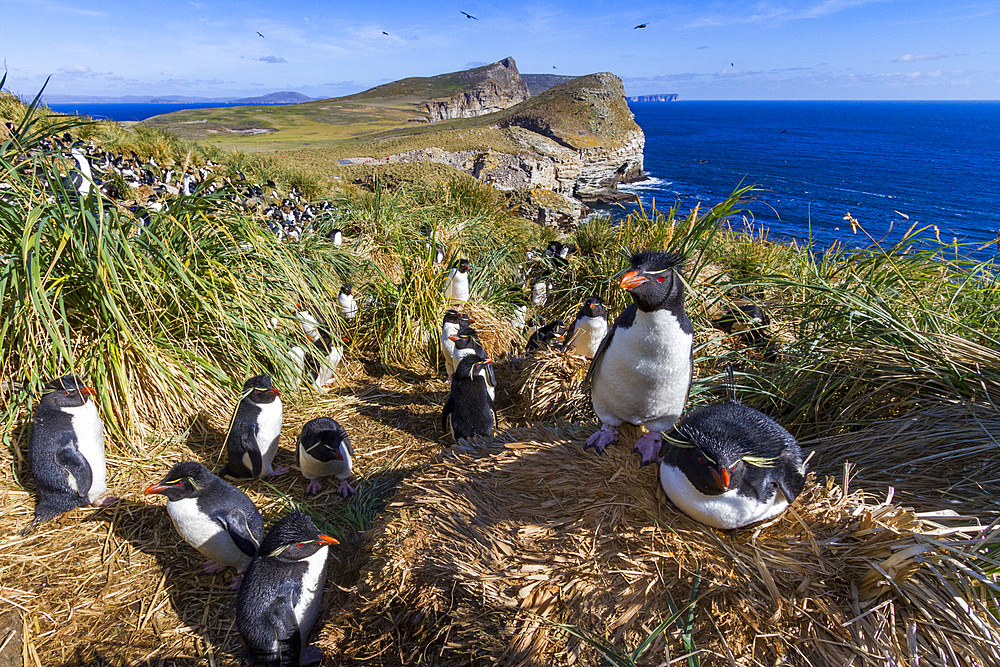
660 279
701 459
300 544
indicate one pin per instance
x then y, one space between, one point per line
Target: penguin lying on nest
212 515
641 373
253 436
66 450
728 465
324 449
280 595
547 336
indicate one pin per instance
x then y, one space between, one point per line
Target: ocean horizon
889 165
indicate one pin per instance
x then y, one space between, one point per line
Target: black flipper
70 458
235 523
286 629
449 407
792 481
249 445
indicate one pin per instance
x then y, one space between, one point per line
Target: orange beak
89 391
721 478
453 338
631 280
345 339
326 539
274 390
159 487
488 361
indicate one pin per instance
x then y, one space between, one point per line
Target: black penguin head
187 479
554 331
259 389
326 445
465 339
346 289
469 366
452 317
553 248
463 265
653 280
593 306
293 538
68 391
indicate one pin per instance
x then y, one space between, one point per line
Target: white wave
650 183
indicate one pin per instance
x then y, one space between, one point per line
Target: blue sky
700 49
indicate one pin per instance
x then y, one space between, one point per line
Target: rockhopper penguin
469 410
728 465
346 302
279 598
66 450
212 515
456 286
252 440
547 336
641 373
324 450
453 322
589 328
466 342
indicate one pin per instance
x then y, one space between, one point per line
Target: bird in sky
261 36
468 15
554 67
385 33
641 25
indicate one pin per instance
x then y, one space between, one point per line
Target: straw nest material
549 385
511 555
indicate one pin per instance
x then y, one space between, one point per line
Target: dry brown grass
489 549
548 384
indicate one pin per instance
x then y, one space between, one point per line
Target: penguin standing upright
589 328
253 436
348 306
466 343
212 515
336 237
728 465
66 450
279 598
641 373
456 286
450 326
324 449
469 410
83 177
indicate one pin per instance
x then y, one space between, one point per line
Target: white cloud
917 57
271 59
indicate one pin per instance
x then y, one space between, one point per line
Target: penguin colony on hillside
725 465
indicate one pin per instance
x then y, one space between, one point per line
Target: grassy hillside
528 549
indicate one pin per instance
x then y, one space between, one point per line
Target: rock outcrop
500 88
576 143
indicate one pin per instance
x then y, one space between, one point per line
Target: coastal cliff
501 87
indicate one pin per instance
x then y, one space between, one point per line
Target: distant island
281 97
665 97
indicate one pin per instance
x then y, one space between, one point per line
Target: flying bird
554 67
641 25
261 36
385 33
468 15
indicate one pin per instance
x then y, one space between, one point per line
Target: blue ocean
887 164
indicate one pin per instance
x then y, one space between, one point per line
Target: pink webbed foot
234 585
105 501
280 470
648 447
314 487
345 489
607 435
211 567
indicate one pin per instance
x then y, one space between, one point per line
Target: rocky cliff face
500 88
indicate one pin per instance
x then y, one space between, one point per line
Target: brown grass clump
492 554
549 386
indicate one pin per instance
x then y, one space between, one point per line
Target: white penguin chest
348 306
89 432
587 335
539 293
196 527
458 286
313 468
727 510
645 372
306 609
268 430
